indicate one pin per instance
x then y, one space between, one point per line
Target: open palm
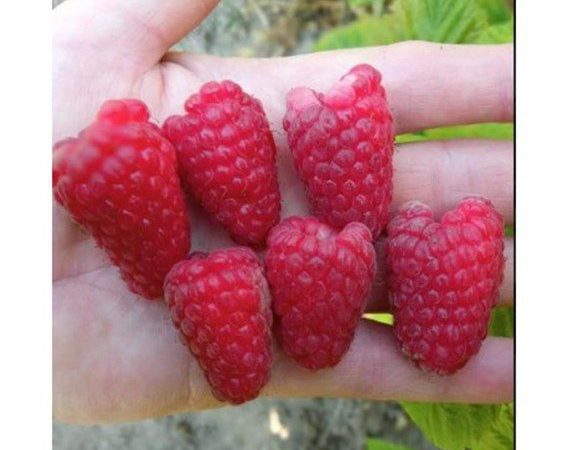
116 356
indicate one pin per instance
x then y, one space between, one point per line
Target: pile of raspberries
127 182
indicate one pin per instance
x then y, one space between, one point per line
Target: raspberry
319 281
443 281
342 145
118 179
228 159
221 305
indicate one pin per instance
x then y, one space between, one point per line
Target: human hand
116 356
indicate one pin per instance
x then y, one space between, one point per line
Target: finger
428 85
438 85
127 31
441 173
100 351
375 369
378 300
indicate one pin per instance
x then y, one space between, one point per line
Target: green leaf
380 444
509 230
365 32
410 137
501 435
451 21
501 33
502 322
453 426
497 10
385 318
497 131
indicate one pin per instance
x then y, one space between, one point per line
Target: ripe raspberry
443 281
221 305
118 179
228 159
342 144
319 281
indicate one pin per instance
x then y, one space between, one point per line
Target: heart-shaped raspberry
342 145
319 280
443 280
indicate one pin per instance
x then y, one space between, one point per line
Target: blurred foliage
500 436
380 444
361 6
497 11
499 33
457 427
449 426
448 21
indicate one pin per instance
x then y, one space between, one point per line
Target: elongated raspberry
228 159
319 281
118 179
444 280
342 144
221 305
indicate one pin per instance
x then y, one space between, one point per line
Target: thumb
138 30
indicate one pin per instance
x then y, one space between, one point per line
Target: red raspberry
342 144
319 281
228 159
221 305
444 280
118 179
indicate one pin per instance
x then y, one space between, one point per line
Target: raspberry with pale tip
342 145
220 304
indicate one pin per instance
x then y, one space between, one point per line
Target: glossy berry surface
228 159
342 144
221 305
320 280
444 280
118 179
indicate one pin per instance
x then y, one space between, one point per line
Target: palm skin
116 356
